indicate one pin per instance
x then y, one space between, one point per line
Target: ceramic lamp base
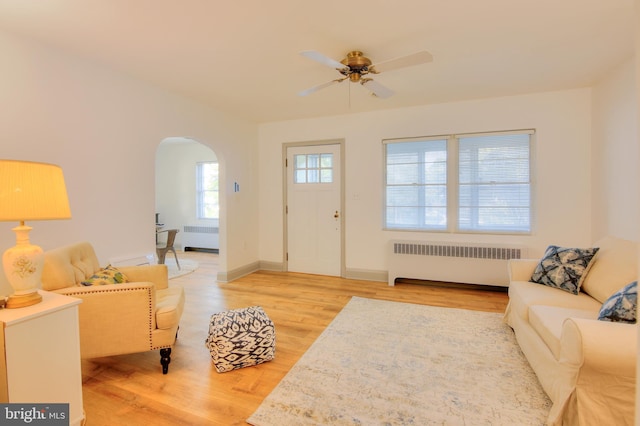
23 265
22 300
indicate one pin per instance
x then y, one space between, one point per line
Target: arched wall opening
176 193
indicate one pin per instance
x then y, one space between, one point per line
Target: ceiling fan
356 66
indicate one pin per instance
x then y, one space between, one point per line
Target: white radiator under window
200 237
471 263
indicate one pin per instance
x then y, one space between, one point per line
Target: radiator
470 263
200 237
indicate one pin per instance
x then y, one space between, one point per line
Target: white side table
40 356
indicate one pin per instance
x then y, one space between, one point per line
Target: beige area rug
390 363
187 266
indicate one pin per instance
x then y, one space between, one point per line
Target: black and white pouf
241 338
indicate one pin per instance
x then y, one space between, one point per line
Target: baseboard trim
271 266
234 274
263 265
367 275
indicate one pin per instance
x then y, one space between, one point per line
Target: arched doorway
187 193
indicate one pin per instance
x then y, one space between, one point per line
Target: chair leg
165 359
161 256
176 256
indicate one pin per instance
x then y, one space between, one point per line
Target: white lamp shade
32 191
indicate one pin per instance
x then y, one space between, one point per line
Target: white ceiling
243 56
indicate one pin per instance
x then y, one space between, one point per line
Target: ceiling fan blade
405 61
319 57
320 86
376 88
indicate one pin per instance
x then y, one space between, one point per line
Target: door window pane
313 168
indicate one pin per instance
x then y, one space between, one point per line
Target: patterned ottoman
241 338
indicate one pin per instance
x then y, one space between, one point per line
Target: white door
314 217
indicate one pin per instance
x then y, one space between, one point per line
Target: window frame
453 185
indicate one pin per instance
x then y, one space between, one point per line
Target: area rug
187 266
390 363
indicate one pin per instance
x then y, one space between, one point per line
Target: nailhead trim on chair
164 355
151 314
118 290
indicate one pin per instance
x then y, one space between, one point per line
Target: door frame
285 195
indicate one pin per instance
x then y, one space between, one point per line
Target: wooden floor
131 389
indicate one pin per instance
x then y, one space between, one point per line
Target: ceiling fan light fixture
356 60
356 66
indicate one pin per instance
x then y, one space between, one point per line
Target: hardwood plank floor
131 389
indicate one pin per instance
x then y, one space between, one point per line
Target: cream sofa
585 365
140 315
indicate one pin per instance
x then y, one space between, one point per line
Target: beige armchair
140 315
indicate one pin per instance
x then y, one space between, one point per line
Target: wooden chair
163 248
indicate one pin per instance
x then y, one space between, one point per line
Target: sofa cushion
614 267
169 306
108 275
622 305
564 267
547 322
523 294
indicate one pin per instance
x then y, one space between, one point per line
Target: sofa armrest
521 269
603 348
115 318
157 274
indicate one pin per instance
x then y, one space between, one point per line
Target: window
459 183
417 184
313 168
207 205
494 184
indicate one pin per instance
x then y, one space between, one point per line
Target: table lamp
29 191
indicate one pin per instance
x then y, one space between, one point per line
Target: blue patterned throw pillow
622 305
564 268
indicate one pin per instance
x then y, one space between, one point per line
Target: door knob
336 214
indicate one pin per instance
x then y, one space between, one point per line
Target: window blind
474 182
494 185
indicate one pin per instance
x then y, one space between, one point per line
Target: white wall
562 166
636 89
616 157
616 180
176 184
103 128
